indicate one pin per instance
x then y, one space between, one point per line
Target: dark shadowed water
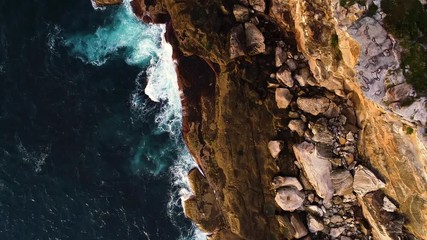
84 153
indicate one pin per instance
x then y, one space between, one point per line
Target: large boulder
342 181
314 106
365 181
254 39
399 93
316 169
289 199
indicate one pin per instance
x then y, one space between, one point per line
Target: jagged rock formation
287 113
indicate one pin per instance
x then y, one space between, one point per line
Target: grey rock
237 47
388 205
336 219
314 225
399 93
279 56
300 229
321 133
317 170
292 64
336 232
342 181
280 181
275 147
314 106
254 39
289 199
365 181
284 76
315 210
283 97
297 126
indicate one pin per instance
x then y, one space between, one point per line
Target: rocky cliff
296 114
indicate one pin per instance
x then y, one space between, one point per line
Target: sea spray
145 46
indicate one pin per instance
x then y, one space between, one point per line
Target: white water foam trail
146 44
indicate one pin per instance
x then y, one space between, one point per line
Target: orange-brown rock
107 2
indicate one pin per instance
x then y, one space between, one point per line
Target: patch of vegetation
407 21
372 9
407 102
335 47
409 130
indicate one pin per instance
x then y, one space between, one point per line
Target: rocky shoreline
286 111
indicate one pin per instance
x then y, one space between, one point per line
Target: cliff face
288 123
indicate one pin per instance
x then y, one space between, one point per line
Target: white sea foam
142 46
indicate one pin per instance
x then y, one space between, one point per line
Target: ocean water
90 120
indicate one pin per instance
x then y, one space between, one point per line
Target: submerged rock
365 181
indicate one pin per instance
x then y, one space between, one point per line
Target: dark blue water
84 153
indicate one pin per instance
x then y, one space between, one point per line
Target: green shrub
409 130
407 21
372 10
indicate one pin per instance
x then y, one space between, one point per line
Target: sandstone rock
284 76
275 147
297 126
300 229
107 2
280 181
314 106
258 5
237 47
399 93
241 13
316 170
365 181
254 39
314 225
289 199
202 207
385 225
283 97
342 181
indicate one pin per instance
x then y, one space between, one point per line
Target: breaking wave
144 46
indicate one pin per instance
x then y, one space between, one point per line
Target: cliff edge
299 117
